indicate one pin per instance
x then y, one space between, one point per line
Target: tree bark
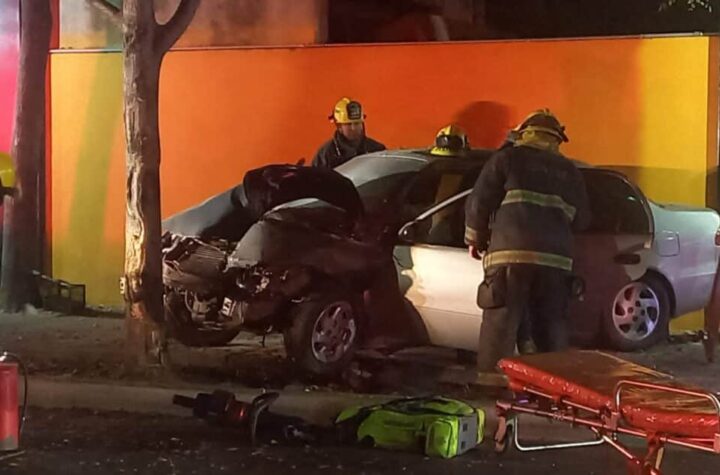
146 43
22 242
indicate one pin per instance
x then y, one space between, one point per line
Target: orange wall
625 101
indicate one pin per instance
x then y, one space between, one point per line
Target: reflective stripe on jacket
503 258
526 204
539 199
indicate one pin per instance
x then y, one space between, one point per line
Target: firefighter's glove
477 252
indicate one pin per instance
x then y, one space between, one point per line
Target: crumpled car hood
273 185
321 238
221 216
230 214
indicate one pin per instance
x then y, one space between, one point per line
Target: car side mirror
408 233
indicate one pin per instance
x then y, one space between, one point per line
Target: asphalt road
83 442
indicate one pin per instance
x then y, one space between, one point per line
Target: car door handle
629 259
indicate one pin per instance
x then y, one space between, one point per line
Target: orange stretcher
610 397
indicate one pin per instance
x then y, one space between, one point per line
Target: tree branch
110 10
171 31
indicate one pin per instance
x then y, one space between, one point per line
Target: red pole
9 420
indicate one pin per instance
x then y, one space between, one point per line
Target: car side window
445 227
436 184
615 205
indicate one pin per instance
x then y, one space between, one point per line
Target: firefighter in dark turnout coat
523 209
349 140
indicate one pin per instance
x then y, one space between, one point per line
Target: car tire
639 315
181 328
323 333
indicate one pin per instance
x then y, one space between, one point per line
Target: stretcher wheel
503 436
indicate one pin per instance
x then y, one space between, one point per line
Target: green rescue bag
437 426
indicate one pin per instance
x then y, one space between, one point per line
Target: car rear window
615 205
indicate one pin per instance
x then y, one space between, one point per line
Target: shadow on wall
485 122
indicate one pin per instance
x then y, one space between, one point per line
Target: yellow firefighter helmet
543 120
450 141
347 111
7 174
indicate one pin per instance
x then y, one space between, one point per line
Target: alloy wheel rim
636 311
334 332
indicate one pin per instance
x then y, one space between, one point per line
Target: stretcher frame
606 424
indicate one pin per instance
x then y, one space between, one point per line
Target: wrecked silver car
374 255
307 252
239 261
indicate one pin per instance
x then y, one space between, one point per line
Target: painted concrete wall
9 50
637 102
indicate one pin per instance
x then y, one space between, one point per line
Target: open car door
438 276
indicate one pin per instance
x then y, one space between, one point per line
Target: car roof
424 156
484 154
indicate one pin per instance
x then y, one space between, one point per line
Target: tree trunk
146 43
22 242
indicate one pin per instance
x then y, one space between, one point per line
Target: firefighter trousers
531 290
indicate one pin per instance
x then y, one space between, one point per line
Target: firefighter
519 220
349 140
525 343
450 141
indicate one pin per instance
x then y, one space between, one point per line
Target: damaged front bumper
261 294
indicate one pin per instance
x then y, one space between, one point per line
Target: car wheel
639 315
181 327
323 334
